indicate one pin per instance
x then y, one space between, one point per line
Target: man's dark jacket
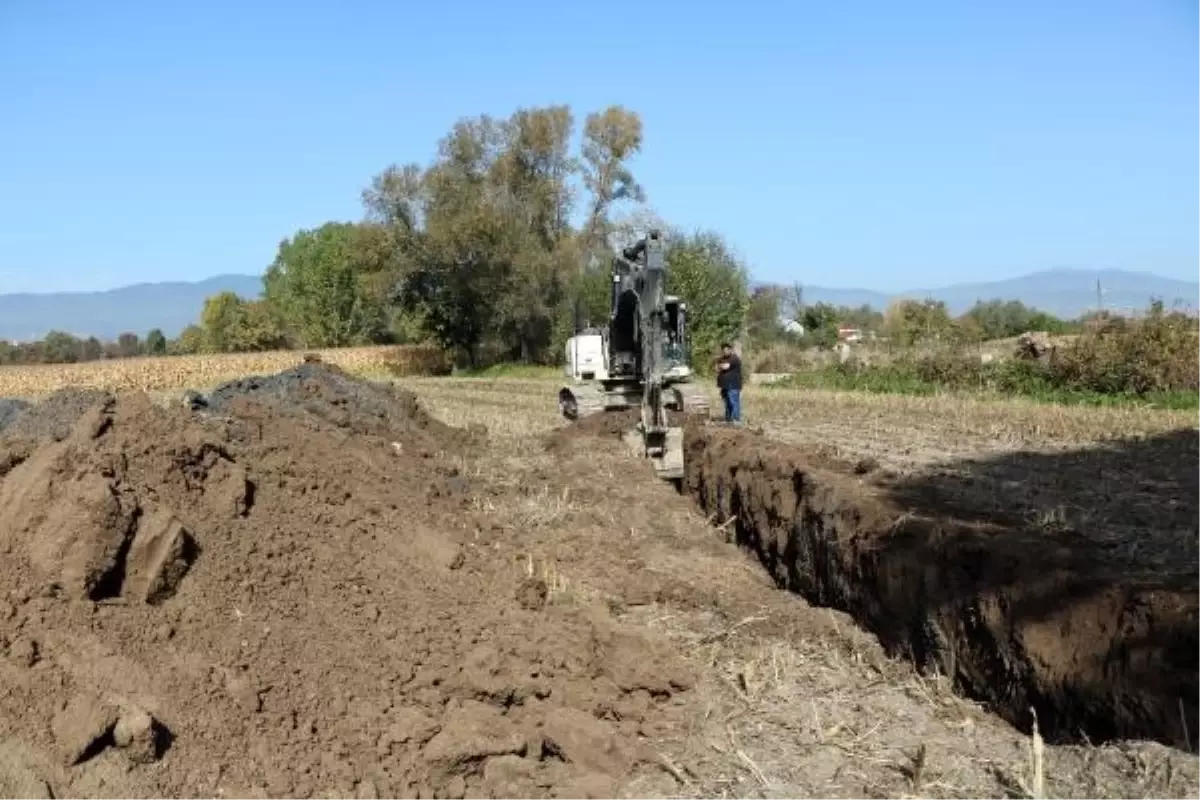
731 378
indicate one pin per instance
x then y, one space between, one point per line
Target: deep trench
1098 655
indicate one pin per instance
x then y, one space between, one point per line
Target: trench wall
1018 620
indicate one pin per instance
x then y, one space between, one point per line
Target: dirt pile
350 403
1099 635
10 409
50 418
288 592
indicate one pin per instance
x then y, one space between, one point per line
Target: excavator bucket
664 448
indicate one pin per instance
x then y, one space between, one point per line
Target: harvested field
305 585
159 373
1094 627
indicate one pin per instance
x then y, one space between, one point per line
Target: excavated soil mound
278 600
53 416
348 402
1097 632
10 409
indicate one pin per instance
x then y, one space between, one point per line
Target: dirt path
312 587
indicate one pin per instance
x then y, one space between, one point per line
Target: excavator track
582 400
691 399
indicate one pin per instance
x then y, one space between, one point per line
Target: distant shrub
1157 353
1155 359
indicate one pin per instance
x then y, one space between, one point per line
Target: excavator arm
658 441
637 360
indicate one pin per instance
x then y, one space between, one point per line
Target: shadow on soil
1064 583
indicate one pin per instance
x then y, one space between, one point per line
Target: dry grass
905 431
900 432
178 372
799 701
790 700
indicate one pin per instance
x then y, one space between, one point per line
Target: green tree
314 289
762 316
531 172
191 340
862 317
1001 319
91 349
456 287
156 342
704 273
483 247
59 347
908 322
128 345
820 321
220 321
230 324
610 139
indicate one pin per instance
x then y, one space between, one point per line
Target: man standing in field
729 381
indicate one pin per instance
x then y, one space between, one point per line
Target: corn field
203 371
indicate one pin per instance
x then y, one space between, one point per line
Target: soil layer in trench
1098 636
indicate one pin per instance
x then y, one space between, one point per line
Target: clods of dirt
607 424
10 410
283 593
353 404
52 417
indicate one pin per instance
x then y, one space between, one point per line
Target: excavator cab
639 359
676 352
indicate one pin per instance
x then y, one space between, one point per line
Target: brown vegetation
173 372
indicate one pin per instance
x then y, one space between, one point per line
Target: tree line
905 322
497 248
1150 359
232 324
501 245
60 347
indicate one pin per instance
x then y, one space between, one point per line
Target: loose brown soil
609 425
1099 636
298 605
306 585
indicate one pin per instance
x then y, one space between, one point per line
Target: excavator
639 359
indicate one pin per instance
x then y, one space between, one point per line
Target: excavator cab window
675 346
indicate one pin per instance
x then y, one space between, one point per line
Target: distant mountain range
175 305
170 306
1064 292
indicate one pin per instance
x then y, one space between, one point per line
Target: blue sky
876 144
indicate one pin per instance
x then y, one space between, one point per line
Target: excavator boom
640 359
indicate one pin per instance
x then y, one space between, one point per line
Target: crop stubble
746 690
165 373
